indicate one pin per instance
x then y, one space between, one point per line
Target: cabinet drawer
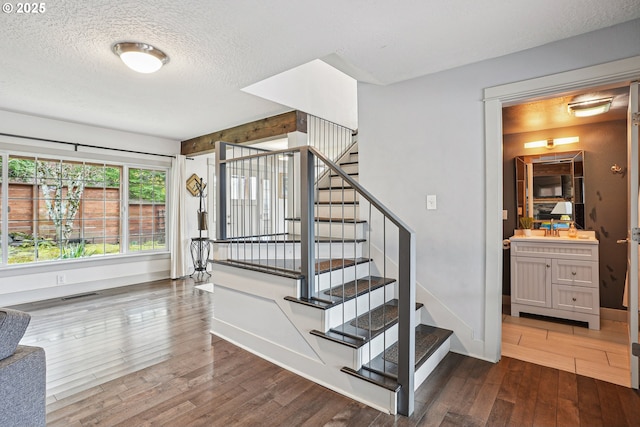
572 272
576 298
543 249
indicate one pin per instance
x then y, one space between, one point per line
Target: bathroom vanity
556 276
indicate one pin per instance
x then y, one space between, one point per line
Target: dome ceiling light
590 108
140 57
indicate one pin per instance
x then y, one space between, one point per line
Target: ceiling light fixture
590 108
140 57
551 143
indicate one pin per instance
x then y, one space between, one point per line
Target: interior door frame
632 223
613 73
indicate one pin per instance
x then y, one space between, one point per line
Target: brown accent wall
604 145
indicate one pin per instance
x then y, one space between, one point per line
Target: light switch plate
431 202
505 214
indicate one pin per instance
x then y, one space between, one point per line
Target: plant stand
200 249
200 246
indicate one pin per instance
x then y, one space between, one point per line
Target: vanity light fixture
589 108
140 57
551 143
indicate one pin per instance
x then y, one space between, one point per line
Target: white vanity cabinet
557 277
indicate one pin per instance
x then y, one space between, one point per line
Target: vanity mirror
550 188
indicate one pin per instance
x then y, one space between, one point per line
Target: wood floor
142 356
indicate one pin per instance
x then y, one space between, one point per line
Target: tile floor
602 354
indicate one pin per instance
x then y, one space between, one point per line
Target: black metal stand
200 250
200 246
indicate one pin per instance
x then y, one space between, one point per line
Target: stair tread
334 187
261 268
428 340
384 373
349 163
288 238
334 175
357 287
338 220
291 267
360 328
332 297
334 203
373 377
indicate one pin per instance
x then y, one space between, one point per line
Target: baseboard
605 313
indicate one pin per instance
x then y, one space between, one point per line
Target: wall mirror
550 188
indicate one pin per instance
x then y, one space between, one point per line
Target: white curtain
178 220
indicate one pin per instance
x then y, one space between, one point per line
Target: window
147 193
68 209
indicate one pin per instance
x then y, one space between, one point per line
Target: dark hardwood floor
142 356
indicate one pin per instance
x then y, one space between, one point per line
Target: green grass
26 253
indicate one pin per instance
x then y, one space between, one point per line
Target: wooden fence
98 219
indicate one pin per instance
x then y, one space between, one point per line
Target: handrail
265 154
245 146
335 168
361 190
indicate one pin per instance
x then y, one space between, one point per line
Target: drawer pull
573 273
574 299
548 266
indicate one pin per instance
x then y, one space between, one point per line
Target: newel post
406 316
307 217
221 190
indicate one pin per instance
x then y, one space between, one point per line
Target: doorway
590 193
570 83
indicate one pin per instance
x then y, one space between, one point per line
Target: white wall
428 134
20 284
316 88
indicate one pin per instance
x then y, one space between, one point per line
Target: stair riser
423 372
336 230
337 196
376 345
329 211
346 312
337 181
264 251
350 168
343 275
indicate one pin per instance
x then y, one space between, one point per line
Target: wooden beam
270 127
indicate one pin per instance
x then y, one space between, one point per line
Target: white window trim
8 149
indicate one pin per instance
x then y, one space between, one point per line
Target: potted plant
526 223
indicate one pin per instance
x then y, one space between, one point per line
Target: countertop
584 236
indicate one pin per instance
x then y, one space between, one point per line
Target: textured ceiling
59 63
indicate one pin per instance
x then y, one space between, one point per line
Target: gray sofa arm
13 324
23 388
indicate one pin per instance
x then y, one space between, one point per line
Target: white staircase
344 337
